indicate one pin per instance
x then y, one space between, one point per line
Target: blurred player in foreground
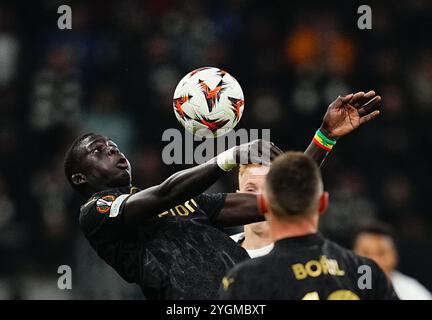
168 238
377 242
303 264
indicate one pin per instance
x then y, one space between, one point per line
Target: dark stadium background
115 72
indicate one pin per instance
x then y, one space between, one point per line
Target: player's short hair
292 184
72 160
244 167
376 228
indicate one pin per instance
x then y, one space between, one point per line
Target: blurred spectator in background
9 48
13 241
56 90
9 53
54 226
377 242
107 117
350 206
95 279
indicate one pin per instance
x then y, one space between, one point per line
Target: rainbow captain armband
322 141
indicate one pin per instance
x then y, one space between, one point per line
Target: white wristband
226 160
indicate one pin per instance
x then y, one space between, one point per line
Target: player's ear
78 179
262 203
323 203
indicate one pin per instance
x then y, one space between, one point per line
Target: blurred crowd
115 73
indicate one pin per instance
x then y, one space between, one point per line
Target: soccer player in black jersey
167 238
303 264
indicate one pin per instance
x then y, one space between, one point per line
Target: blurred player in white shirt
377 243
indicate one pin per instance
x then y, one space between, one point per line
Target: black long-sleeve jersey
308 267
179 254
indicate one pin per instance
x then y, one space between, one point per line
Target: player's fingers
368 96
261 152
266 154
346 98
369 106
369 116
276 149
356 98
273 155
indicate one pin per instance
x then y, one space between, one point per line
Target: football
208 102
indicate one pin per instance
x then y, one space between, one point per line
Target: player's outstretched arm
189 183
239 209
343 116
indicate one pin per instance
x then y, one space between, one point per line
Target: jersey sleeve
101 222
211 204
102 214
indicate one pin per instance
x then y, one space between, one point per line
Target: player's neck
281 229
256 239
389 273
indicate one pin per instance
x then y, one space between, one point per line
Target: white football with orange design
208 102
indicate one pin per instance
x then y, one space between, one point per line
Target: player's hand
257 151
347 113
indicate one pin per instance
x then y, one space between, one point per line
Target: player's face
105 165
252 181
379 248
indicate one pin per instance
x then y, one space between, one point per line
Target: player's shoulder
101 204
252 267
404 280
243 281
101 200
409 288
